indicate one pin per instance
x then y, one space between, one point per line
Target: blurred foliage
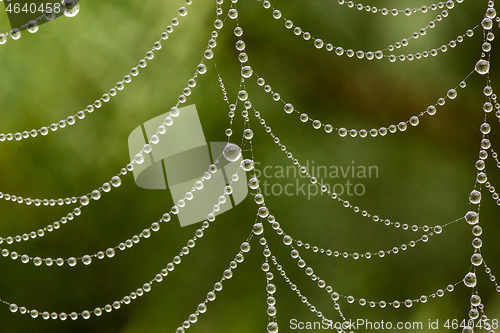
425 174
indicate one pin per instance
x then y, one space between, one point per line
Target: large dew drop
471 217
483 67
475 197
470 280
263 212
232 152
70 7
139 158
476 259
258 228
246 72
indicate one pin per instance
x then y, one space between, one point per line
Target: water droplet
491 13
232 152
248 134
487 23
258 228
263 212
481 177
485 143
15 34
414 121
116 181
139 159
247 164
202 68
476 259
486 47
240 45
485 128
84 200
50 15
87 260
96 194
483 67
487 91
246 72
342 132
470 280
475 197
272 327
110 252
452 94
232 13
467 329
32 26
318 43
473 314
253 183
242 95
70 7
477 243
245 247
288 108
475 300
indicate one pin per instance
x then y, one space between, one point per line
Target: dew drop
32 26
70 7
247 164
485 128
15 34
476 259
232 152
246 72
258 228
139 158
475 197
272 327
472 217
452 94
482 67
470 280
245 247
248 134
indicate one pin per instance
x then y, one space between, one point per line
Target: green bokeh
424 175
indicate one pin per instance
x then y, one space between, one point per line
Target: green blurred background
425 174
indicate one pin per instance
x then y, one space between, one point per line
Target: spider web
424 179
